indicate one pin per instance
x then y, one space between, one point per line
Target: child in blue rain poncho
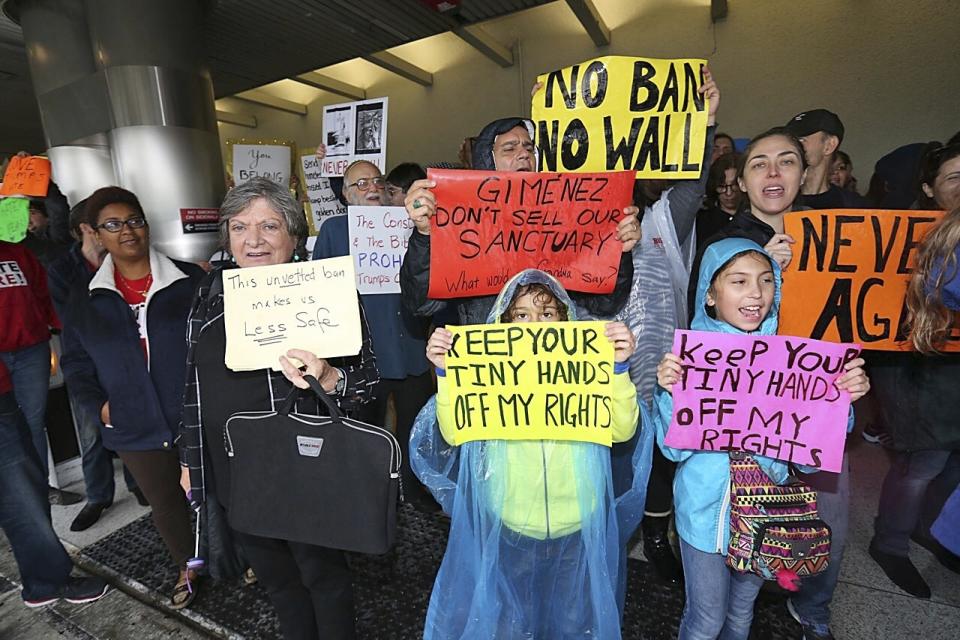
738 291
535 531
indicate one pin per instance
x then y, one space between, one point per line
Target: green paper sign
14 216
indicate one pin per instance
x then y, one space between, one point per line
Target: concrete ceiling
251 43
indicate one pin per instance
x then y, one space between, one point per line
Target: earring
296 257
233 259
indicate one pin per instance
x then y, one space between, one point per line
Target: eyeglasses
364 184
726 188
114 226
394 191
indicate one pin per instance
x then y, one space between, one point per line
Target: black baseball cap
803 124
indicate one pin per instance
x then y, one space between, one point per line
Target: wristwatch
341 382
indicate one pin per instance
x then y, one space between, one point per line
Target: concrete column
126 99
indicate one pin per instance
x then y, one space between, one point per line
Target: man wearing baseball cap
821 133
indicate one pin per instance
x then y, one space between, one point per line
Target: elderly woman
310 586
123 353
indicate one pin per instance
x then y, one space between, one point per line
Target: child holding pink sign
738 291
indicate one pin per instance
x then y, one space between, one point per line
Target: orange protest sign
848 278
490 225
29 176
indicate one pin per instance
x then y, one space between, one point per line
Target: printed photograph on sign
378 239
370 128
848 278
338 131
620 113
354 131
300 305
770 395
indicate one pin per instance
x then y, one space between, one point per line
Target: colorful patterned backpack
775 531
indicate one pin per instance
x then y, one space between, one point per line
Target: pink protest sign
769 395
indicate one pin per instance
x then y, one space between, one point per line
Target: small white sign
261 160
378 241
323 202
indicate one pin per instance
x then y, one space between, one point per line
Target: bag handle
335 414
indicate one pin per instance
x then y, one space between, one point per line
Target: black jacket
415 270
63 273
103 359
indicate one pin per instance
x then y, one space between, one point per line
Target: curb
148 596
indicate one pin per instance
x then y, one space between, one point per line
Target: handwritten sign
29 176
531 381
14 219
378 242
300 305
322 202
615 112
354 131
491 225
848 278
261 160
770 395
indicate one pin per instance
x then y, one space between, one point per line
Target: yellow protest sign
616 113
300 305
531 381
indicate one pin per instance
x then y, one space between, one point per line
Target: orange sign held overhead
848 278
26 176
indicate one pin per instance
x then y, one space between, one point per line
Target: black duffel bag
326 480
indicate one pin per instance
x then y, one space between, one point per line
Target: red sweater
26 312
6 386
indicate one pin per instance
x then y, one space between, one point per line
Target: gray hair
278 198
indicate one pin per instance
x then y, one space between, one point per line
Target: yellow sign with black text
618 113
531 381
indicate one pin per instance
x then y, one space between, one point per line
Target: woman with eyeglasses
723 197
124 354
310 586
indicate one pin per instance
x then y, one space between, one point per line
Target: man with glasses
399 339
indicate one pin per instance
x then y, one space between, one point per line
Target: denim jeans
719 600
30 373
812 602
915 489
24 510
97 461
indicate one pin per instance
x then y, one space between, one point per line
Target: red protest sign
490 225
29 176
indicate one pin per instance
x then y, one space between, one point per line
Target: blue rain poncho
509 577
